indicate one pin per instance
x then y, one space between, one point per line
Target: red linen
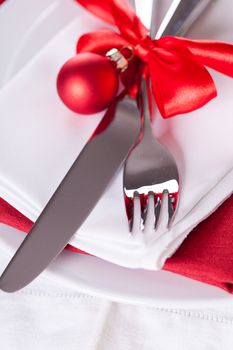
206 254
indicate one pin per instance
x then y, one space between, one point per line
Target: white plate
87 274
36 23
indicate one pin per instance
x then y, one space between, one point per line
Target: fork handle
146 105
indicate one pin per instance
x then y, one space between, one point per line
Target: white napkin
40 139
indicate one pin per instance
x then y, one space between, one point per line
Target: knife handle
180 16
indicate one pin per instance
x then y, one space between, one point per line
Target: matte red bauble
87 83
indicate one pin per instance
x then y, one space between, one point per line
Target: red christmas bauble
87 83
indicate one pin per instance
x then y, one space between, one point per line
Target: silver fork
151 179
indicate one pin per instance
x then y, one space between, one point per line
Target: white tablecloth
56 319
52 314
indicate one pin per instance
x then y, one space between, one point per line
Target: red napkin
206 254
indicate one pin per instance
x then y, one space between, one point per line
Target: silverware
150 172
180 17
76 196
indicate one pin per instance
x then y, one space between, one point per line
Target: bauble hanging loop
117 57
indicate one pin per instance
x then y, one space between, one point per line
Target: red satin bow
180 81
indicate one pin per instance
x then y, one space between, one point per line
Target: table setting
116 169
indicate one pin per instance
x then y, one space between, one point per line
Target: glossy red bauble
87 83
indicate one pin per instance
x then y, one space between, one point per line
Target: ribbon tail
119 13
127 21
100 9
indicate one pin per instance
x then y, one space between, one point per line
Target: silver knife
77 194
180 17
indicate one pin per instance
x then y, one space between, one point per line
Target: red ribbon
180 81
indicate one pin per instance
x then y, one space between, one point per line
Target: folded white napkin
40 138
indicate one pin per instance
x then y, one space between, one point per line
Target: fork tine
157 209
144 207
172 205
150 218
163 217
129 206
136 219
134 206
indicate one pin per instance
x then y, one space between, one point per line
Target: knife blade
77 194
